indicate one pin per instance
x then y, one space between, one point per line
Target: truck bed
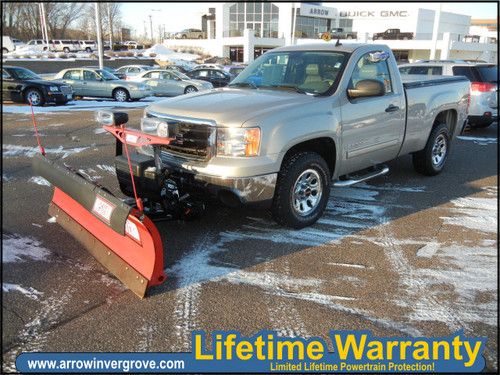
420 80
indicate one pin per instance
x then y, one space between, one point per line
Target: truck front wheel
302 190
430 161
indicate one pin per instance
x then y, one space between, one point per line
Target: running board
382 169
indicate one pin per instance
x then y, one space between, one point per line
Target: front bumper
139 94
53 97
231 190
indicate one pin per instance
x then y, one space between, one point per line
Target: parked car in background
100 83
170 82
132 70
131 44
87 45
10 44
234 70
392 34
209 66
483 108
190 34
22 85
177 68
109 70
37 45
64 45
217 77
339 33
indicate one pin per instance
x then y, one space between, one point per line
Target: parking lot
399 255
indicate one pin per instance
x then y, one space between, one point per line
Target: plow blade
125 242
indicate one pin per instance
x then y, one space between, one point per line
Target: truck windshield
312 72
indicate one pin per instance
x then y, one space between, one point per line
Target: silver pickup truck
300 119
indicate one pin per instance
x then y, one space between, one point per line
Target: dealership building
243 31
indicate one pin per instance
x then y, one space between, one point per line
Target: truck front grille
193 139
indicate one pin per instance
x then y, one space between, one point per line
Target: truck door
372 127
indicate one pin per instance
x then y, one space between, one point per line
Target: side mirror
366 88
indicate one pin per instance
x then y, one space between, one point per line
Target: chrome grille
193 139
66 90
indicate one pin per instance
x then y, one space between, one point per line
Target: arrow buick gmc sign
372 13
317 11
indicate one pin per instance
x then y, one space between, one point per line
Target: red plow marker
121 237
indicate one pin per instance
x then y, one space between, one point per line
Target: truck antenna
338 43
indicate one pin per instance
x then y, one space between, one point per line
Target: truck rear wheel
431 160
302 190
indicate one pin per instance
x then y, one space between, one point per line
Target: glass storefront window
310 27
261 17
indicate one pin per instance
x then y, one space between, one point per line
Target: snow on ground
80 105
16 150
18 249
29 292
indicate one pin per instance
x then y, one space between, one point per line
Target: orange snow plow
120 236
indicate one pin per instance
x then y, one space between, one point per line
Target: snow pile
162 53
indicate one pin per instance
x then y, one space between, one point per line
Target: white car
170 82
10 44
131 44
133 70
87 45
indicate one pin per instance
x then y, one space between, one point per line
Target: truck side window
366 69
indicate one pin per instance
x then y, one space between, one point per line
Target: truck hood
230 107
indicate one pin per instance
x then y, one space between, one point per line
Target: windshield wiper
243 84
290 87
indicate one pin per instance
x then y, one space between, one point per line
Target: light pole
110 28
151 24
99 36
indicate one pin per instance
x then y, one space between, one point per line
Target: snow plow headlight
111 118
154 126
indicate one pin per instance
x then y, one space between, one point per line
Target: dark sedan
217 77
22 85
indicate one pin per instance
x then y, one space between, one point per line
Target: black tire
66 50
88 49
5 50
425 161
184 36
36 96
292 169
200 36
190 89
121 95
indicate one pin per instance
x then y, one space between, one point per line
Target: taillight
482 86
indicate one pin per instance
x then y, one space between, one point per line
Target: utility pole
99 36
151 28
44 21
110 28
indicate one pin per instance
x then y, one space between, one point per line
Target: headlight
154 126
53 88
238 141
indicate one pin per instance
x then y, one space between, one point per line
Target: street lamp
151 24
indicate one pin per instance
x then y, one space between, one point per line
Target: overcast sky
177 16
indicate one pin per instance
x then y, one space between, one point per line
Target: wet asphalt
400 255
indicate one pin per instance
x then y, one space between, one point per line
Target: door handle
392 108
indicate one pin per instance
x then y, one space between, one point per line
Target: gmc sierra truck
297 121
392 34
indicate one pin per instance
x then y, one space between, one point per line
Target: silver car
133 70
483 109
171 82
100 83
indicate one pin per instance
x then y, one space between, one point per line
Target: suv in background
37 45
190 34
10 44
483 109
65 45
87 45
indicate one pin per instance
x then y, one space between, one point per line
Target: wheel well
120 88
324 146
30 88
448 117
